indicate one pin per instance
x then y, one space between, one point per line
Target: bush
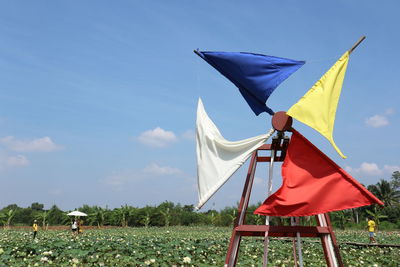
387 226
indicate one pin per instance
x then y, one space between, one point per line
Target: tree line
170 214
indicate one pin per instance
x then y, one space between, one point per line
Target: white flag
218 158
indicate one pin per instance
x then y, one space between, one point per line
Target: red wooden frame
279 144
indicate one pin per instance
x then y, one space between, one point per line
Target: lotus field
177 246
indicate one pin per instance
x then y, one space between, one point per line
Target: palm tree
385 192
7 217
395 180
2 218
376 214
340 217
233 216
146 219
43 217
97 216
167 216
215 217
355 215
123 214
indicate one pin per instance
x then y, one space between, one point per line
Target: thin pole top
356 44
196 51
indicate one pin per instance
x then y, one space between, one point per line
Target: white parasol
76 213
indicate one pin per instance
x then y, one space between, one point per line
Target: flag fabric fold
313 184
317 108
256 75
218 158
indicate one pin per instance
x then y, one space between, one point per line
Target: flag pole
356 44
196 51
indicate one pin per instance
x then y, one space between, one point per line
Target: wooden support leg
299 250
329 243
294 244
294 252
266 246
334 242
325 242
270 175
233 249
234 244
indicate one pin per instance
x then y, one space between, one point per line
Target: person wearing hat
35 228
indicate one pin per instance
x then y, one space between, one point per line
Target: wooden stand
323 230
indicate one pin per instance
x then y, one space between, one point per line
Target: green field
180 246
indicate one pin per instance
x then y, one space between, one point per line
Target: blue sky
98 98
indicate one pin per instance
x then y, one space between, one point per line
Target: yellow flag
317 108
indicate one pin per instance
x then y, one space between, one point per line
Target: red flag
313 184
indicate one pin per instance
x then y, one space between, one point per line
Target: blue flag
255 75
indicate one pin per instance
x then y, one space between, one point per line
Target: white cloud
380 120
369 169
389 111
155 169
8 161
390 169
157 137
377 121
16 161
189 135
10 144
118 179
372 169
44 144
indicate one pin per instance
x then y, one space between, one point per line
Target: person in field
371 229
80 226
74 227
78 223
35 228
